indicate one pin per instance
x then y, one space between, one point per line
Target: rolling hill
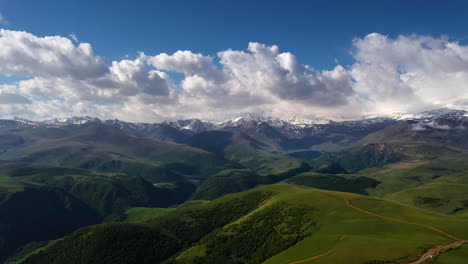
41 202
307 222
385 184
99 147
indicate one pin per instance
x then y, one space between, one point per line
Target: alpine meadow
179 132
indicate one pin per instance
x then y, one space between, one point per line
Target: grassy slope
447 198
459 255
37 214
356 237
149 242
47 202
326 220
238 180
407 175
264 161
451 224
108 193
99 147
139 214
440 184
360 238
335 182
242 149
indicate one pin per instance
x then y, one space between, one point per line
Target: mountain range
292 128
80 188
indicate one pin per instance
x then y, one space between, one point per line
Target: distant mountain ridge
203 125
261 127
198 125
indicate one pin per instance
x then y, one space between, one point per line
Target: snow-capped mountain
273 121
181 130
195 125
442 113
249 118
75 120
25 121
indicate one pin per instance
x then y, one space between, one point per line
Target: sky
147 61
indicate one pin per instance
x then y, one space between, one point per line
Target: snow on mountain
246 118
426 116
25 122
442 113
72 120
440 119
272 121
292 126
195 125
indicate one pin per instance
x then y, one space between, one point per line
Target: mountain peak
197 125
445 113
75 120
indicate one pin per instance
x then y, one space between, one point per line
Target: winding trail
437 249
312 258
427 255
430 252
348 203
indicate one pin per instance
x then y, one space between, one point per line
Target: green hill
459 255
272 224
335 182
99 147
40 213
232 181
42 202
447 198
136 191
242 149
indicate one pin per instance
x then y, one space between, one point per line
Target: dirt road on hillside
437 250
312 258
348 203
429 253
426 256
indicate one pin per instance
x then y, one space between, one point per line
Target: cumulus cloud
409 73
60 69
61 77
260 76
125 79
26 55
264 69
185 62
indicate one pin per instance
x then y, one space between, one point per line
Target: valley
247 190
233 132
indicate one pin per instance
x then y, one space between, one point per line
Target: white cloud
23 54
62 78
60 69
74 37
264 70
262 76
185 62
409 73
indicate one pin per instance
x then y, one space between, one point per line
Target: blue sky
219 59
315 31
